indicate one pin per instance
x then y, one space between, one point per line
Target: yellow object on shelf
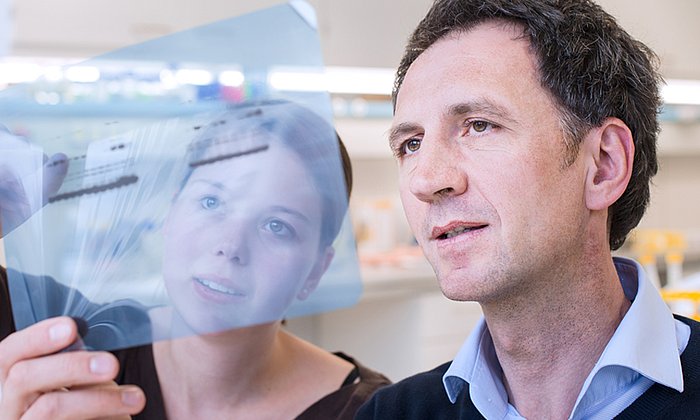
690 299
649 244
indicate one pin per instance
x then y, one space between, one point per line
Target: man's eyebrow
399 131
484 106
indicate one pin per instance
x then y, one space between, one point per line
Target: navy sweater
423 396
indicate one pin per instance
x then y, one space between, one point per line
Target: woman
247 234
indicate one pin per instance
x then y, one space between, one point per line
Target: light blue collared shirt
644 349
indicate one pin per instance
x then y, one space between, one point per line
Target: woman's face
242 240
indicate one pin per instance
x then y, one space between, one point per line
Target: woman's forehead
277 172
274 158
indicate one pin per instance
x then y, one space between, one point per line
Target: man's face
481 167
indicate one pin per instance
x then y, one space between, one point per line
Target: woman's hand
36 382
27 179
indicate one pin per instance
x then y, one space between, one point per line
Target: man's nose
438 172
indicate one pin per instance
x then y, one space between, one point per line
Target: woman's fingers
62 370
87 403
39 381
41 339
28 178
55 170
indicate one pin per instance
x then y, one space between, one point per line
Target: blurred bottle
647 244
648 261
676 246
375 225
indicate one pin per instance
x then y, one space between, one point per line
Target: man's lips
453 229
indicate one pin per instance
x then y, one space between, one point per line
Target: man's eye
478 127
411 146
210 203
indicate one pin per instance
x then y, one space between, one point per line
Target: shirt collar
645 341
476 363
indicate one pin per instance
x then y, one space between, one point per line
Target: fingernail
131 397
59 332
101 365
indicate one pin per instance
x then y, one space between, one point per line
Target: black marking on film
228 156
119 182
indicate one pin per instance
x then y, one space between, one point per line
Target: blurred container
650 244
375 225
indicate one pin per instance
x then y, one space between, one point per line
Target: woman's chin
169 323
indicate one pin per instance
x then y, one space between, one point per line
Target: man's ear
611 148
324 260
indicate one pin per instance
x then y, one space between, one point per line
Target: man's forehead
489 58
488 40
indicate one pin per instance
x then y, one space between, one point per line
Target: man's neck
553 337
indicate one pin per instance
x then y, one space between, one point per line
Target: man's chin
468 285
460 289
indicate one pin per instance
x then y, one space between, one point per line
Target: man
525 133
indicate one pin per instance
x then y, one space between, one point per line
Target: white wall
398 334
358 32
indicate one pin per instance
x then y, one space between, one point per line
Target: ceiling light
17 72
339 80
197 77
681 92
232 78
82 74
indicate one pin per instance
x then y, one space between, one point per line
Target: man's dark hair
590 65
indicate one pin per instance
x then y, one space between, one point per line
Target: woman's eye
210 203
411 146
281 229
276 226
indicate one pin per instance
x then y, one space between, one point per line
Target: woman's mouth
218 291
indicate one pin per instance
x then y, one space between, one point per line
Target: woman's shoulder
362 374
357 388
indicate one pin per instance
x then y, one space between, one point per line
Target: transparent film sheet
184 214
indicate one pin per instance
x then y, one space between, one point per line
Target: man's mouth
455 229
218 287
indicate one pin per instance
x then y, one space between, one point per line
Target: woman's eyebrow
214 184
277 208
291 211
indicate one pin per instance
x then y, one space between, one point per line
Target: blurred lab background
402 324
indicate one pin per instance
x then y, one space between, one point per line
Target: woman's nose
233 243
